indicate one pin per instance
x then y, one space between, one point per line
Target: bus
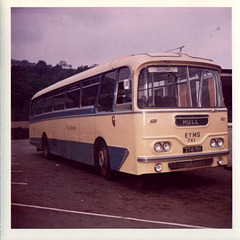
138 114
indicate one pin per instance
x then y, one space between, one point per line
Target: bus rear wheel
103 161
45 147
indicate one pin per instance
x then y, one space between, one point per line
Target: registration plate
192 149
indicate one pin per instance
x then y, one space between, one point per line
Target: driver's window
124 90
107 92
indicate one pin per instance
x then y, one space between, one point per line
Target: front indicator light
220 161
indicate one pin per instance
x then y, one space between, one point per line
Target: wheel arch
117 154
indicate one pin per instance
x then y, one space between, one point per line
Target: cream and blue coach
140 114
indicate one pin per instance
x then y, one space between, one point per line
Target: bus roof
133 60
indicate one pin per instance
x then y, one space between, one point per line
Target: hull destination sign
191 120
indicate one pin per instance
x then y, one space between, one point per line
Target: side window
89 91
59 99
107 91
39 106
208 91
48 99
32 107
73 96
124 90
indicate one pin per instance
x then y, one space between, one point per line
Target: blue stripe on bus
74 113
92 112
60 114
82 152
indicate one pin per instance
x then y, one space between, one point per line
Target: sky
87 36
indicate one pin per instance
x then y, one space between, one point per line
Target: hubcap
101 158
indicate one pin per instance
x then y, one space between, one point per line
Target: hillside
28 78
21 63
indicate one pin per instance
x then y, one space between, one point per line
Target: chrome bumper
184 156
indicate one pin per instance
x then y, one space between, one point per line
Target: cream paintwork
35 130
134 131
137 134
54 129
72 129
122 135
164 129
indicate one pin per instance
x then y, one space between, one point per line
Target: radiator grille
190 164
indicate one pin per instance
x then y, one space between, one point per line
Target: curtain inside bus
179 87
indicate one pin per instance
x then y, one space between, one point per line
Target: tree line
28 78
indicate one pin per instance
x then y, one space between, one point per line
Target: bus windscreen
179 87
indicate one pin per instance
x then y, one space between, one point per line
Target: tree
28 80
41 67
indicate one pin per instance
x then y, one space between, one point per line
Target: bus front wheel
103 160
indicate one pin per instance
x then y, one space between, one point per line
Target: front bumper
186 156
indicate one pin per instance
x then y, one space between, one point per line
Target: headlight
162 147
217 143
213 143
166 146
158 147
220 142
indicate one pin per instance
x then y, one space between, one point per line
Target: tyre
103 160
45 147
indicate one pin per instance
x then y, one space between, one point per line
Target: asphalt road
58 193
